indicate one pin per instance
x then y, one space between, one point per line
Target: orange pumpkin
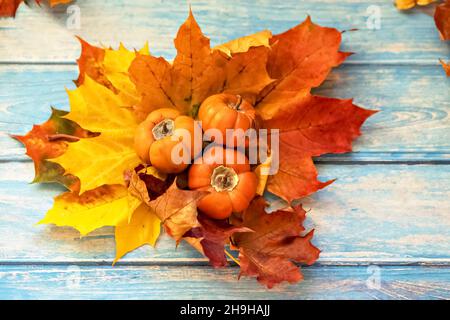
230 183
154 143
227 111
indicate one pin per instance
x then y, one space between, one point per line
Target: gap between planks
334 161
327 262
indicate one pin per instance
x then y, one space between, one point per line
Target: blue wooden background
383 226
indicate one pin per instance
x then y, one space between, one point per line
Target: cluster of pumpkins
231 183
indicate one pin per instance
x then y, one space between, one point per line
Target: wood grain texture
399 38
371 213
389 207
74 282
412 125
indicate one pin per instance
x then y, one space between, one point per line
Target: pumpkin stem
224 179
236 105
163 129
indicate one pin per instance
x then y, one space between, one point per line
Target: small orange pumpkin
153 139
227 111
230 182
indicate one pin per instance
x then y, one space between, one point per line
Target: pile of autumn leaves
90 149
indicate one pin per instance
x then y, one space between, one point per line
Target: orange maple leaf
90 63
49 140
177 210
196 73
446 67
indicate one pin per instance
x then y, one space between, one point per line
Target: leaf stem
231 257
62 136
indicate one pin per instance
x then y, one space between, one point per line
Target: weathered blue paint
402 37
389 207
188 282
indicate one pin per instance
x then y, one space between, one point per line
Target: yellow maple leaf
143 228
104 206
99 161
102 159
116 64
244 43
408 4
96 108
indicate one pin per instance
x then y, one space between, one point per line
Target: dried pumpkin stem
163 129
224 179
236 105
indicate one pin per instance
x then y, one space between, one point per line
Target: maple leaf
142 225
308 125
110 68
442 19
143 228
99 161
56 2
214 235
300 59
8 8
243 44
104 206
116 64
311 128
49 140
102 159
146 183
408 4
177 210
269 252
296 177
90 63
198 72
446 67
154 182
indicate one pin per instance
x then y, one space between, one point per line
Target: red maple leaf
309 125
442 19
270 251
214 235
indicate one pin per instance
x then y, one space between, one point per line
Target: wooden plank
187 282
384 214
412 125
401 37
